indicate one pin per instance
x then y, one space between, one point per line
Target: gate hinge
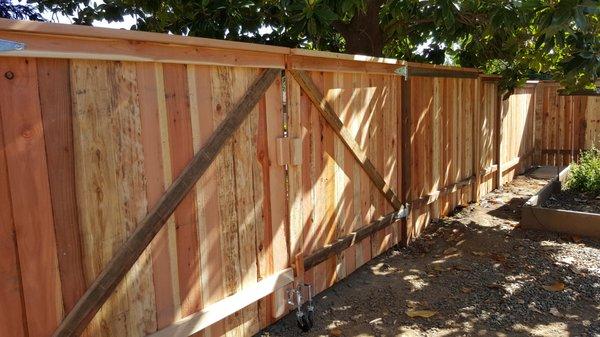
402 71
289 151
6 45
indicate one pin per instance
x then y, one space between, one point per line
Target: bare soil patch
476 273
574 201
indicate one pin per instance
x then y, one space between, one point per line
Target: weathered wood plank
222 80
276 191
244 149
109 164
348 240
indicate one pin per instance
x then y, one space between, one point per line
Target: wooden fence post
498 134
477 140
406 130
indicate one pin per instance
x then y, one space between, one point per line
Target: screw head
9 75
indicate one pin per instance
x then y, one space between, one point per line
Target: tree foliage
518 39
18 11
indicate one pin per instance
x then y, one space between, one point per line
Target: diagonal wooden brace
317 98
97 294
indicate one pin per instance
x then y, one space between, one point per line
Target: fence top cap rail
50 28
442 67
111 34
488 77
345 57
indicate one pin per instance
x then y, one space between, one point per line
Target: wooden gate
89 148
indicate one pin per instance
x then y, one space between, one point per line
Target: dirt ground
574 201
477 274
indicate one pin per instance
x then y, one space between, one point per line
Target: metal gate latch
304 320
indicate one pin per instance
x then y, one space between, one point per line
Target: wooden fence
564 125
97 125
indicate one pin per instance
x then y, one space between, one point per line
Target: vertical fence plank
222 79
13 321
30 194
277 193
209 236
157 167
244 149
110 188
181 148
55 102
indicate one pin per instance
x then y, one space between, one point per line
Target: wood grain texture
127 255
157 168
55 102
30 190
222 309
201 103
13 322
181 148
329 114
105 101
563 125
276 194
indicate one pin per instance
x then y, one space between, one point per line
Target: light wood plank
330 116
157 168
227 306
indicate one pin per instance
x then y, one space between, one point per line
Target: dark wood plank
349 240
127 255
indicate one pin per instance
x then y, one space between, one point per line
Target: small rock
335 332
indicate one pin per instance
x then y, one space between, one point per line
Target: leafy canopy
518 39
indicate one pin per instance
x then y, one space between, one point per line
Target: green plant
585 175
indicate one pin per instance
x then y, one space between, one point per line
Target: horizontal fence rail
339 158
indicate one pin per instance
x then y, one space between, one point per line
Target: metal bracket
6 45
402 212
402 71
289 151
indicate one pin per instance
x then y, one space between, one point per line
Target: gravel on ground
473 273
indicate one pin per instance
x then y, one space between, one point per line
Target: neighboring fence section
97 124
564 125
516 135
